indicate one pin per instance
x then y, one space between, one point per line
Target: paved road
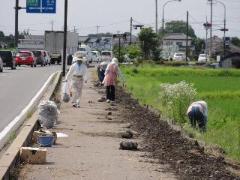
18 87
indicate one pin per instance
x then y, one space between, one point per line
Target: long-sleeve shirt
77 70
202 106
111 74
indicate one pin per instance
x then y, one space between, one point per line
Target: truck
54 44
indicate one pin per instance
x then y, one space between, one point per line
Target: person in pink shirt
110 79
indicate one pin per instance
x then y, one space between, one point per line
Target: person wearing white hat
77 74
110 79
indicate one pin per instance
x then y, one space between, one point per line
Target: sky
114 16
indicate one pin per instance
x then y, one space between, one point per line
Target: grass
219 88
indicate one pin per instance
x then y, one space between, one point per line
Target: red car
25 58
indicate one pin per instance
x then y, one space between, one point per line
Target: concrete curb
27 120
6 133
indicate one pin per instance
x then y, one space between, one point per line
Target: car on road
8 59
96 56
1 65
106 56
26 58
179 56
39 54
202 58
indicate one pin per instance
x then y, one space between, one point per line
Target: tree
236 41
149 41
199 45
122 52
2 34
134 51
179 27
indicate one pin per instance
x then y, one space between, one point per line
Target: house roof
92 40
176 36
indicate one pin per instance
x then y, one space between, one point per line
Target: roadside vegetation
219 88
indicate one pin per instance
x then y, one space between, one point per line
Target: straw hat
78 56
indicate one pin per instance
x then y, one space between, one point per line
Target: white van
96 56
202 58
86 52
106 56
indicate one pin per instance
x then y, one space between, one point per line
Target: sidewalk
91 152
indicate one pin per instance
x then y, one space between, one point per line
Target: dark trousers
110 91
196 117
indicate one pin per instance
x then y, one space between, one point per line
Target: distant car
86 52
1 65
202 58
179 57
25 58
39 54
106 56
96 56
8 59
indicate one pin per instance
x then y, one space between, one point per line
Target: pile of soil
186 158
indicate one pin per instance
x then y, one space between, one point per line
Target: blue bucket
45 141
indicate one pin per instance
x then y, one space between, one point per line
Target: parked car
47 57
39 54
8 59
106 56
203 58
96 56
179 56
25 58
1 65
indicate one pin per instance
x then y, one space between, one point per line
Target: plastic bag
48 114
65 92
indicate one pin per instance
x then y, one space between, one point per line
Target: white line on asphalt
18 121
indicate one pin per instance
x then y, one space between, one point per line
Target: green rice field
219 88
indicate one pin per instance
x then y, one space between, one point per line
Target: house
106 41
217 45
231 61
174 42
82 39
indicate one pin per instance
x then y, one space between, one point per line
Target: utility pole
206 42
65 37
187 36
98 27
211 22
224 28
207 26
131 25
52 23
16 23
156 16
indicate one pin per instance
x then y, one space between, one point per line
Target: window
179 43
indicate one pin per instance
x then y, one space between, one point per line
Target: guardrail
10 157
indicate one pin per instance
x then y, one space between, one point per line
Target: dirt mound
186 158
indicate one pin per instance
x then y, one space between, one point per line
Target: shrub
176 99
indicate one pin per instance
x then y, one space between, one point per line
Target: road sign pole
65 37
16 23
